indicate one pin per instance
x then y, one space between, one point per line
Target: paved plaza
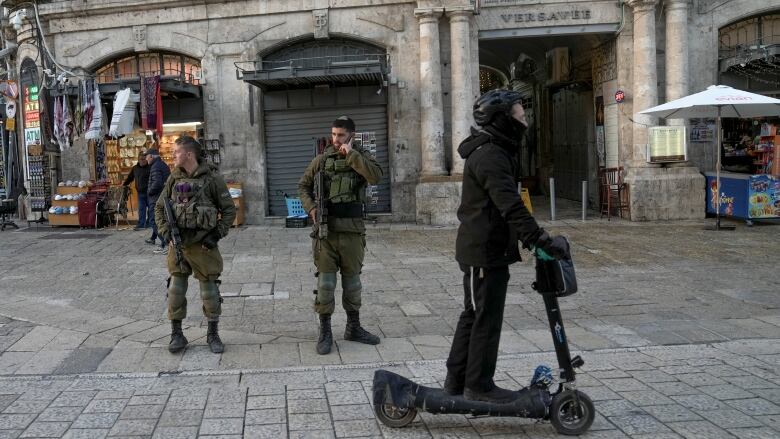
679 328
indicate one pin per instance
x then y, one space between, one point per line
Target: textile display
124 113
151 104
93 117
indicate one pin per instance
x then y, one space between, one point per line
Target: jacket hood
472 142
202 169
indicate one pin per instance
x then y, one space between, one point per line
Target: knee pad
351 283
177 286
212 302
326 282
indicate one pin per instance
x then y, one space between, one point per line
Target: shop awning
345 72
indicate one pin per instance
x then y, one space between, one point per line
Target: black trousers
474 351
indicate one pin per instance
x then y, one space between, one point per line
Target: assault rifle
321 201
174 232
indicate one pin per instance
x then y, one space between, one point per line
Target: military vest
345 185
192 207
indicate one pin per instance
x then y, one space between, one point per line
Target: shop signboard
667 144
32 116
764 196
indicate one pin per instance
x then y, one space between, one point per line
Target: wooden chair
613 192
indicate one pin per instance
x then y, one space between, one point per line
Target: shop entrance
556 75
306 86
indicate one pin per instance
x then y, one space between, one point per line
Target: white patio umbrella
717 101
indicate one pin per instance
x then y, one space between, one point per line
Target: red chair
613 193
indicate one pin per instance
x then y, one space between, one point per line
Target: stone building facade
571 57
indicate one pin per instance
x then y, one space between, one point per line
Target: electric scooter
571 412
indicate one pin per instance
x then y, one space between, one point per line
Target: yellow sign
667 144
10 124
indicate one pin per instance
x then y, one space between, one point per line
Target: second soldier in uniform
204 213
347 171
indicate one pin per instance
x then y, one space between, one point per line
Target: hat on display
69 183
52 209
74 209
61 184
58 197
82 183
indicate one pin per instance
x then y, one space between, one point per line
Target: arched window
491 79
322 53
167 65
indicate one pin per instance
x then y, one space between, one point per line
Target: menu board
667 144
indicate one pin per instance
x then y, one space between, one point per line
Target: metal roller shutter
290 138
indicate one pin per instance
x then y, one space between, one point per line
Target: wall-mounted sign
32 116
620 96
667 144
545 17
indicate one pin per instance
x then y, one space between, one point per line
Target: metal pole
552 199
584 199
718 146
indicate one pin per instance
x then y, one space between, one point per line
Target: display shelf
66 219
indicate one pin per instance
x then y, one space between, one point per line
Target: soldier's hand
313 214
345 148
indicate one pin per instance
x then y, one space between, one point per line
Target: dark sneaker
360 335
496 395
178 342
137 228
150 241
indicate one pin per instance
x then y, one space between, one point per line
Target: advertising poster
764 197
732 196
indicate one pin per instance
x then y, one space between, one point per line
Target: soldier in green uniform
204 213
347 172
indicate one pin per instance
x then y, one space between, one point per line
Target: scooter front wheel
572 412
393 416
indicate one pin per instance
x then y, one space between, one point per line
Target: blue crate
294 208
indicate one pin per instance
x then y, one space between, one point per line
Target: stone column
645 87
432 113
461 94
676 52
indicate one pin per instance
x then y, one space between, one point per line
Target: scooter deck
394 389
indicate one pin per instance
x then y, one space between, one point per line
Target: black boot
355 332
212 338
178 341
325 340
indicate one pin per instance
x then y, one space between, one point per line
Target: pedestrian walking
344 172
204 211
492 221
140 174
158 174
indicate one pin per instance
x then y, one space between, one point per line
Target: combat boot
178 341
355 332
212 338
325 340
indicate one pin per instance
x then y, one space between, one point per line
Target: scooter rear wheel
572 414
393 416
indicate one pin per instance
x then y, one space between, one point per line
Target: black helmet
494 102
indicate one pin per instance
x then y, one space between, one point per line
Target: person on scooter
492 221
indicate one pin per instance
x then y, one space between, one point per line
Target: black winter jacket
158 173
492 217
139 174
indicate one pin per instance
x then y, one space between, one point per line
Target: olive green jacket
359 160
215 190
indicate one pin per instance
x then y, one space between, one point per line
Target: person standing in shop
347 171
204 212
158 174
140 174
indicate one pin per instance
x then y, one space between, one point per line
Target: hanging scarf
95 130
67 124
78 111
58 120
151 104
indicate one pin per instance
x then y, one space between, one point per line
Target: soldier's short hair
191 145
344 122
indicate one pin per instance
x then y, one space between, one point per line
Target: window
168 65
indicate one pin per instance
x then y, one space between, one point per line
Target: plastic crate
294 207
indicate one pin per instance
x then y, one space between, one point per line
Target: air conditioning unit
558 65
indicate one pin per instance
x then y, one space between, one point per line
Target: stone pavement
92 303
724 390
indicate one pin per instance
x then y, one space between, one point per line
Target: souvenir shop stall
750 171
